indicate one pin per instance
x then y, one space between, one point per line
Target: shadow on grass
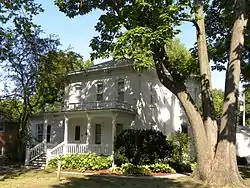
115 182
13 173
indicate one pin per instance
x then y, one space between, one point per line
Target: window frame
99 94
39 134
77 137
120 90
98 136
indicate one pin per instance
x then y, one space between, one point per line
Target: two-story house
102 101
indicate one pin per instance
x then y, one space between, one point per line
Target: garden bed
110 172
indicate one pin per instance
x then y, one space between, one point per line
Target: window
77 133
2 127
119 128
151 92
99 91
184 128
98 131
120 90
48 133
39 132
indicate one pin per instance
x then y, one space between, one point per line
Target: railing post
65 148
27 155
45 146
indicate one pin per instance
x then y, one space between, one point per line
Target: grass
42 179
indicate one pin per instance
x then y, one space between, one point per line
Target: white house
102 101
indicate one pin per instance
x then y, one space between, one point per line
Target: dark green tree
34 70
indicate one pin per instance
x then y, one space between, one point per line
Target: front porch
83 132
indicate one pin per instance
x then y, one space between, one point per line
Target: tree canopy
34 69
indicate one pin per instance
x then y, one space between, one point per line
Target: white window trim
120 80
39 133
97 92
100 134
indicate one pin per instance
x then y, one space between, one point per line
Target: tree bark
227 172
216 156
22 135
192 112
206 87
200 138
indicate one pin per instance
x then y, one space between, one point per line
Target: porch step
38 162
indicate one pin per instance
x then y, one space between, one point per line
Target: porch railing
99 105
70 148
85 148
36 151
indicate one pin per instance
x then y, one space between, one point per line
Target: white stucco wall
87 85
243 142
164 114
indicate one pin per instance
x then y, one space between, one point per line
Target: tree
53 69
140 30
218 97
34 69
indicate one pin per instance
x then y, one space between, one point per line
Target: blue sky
78 32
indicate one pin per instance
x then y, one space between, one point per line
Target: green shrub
181 160
141 147
160 167
87 161
129 169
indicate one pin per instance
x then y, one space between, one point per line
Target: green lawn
41 179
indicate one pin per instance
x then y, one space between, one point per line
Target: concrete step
39 162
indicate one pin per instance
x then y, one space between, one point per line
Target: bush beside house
82 162
141 147
137 152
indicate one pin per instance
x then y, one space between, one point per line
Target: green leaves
128 30
82 162
219 24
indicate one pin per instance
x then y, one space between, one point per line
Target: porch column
88 128
66 129
113 138
65 134
45 125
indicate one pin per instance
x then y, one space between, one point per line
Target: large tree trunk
22 136
206 87
200 136
216 156
192 112
227 172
